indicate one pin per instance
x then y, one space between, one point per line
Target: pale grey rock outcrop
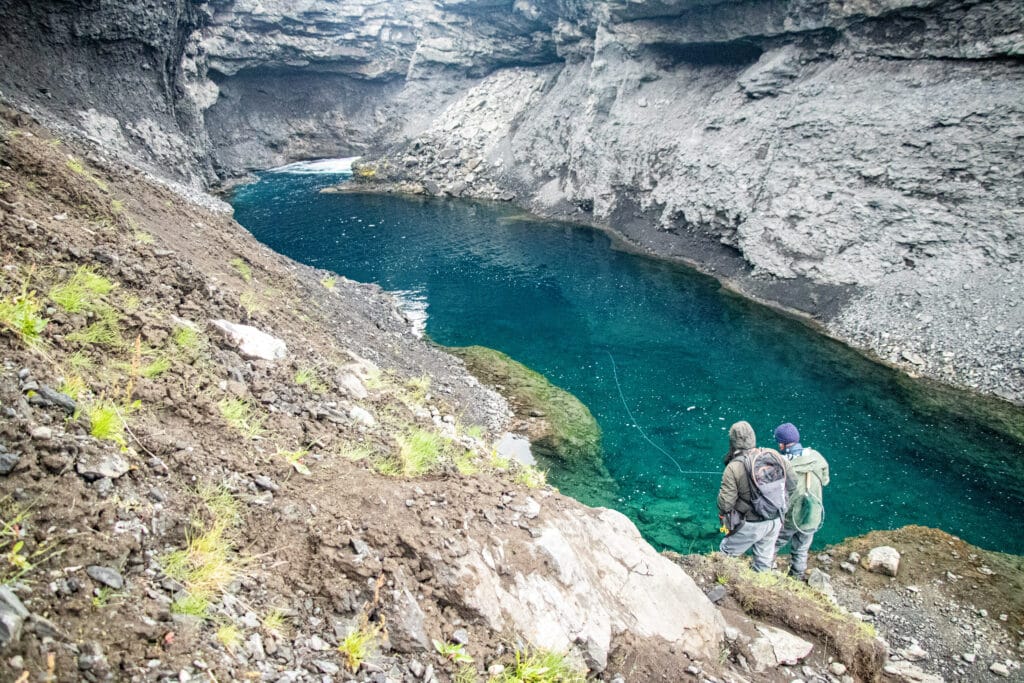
586 578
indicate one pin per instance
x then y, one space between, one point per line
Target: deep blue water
690 359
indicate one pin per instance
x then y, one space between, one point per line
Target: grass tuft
21 315
241 415
329 282
76 166
187 339
360 643
230 636
539 666
251 303
159 366
105 331
531 477
418 452
275 622
242 268
106 422
309 377
82 292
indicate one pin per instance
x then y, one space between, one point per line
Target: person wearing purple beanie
805 512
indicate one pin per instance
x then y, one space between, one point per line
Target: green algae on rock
570 432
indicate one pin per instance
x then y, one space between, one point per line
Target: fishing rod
615 374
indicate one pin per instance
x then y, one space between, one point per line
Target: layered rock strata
856 162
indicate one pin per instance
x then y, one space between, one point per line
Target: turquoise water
690 360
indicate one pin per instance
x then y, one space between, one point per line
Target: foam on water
413 306
341 166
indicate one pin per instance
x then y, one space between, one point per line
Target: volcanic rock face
852 160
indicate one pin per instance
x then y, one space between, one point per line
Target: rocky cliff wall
856 161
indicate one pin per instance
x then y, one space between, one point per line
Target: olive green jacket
735 490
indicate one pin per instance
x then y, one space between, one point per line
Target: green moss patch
568 430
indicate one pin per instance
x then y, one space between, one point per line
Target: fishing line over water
555 297
615 374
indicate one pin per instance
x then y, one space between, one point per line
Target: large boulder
584 578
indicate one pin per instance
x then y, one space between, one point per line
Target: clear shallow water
690 360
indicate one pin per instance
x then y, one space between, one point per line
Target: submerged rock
563 426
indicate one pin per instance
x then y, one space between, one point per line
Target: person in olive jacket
806 511
747 528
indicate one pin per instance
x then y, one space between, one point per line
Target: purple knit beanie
787 433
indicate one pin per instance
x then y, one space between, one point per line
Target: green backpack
806 511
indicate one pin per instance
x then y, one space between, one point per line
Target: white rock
837 668
362 415
351 384
251 342
883 560
910 673
786 648
914 653
1000 669
969 657
874 609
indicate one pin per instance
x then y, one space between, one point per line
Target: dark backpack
767 477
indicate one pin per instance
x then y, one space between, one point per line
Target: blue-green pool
690 360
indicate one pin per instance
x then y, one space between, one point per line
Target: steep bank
852 161
177 505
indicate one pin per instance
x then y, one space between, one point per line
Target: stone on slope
776 647
98 465
910 673
12 617
883 560
251 342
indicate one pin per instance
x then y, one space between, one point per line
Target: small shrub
116 206
294 458
18 559
329 282
143 237
241 415
453 652
21 315
475 432
360 644
242 268
499 462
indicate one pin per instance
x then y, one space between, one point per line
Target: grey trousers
760 536
799 546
